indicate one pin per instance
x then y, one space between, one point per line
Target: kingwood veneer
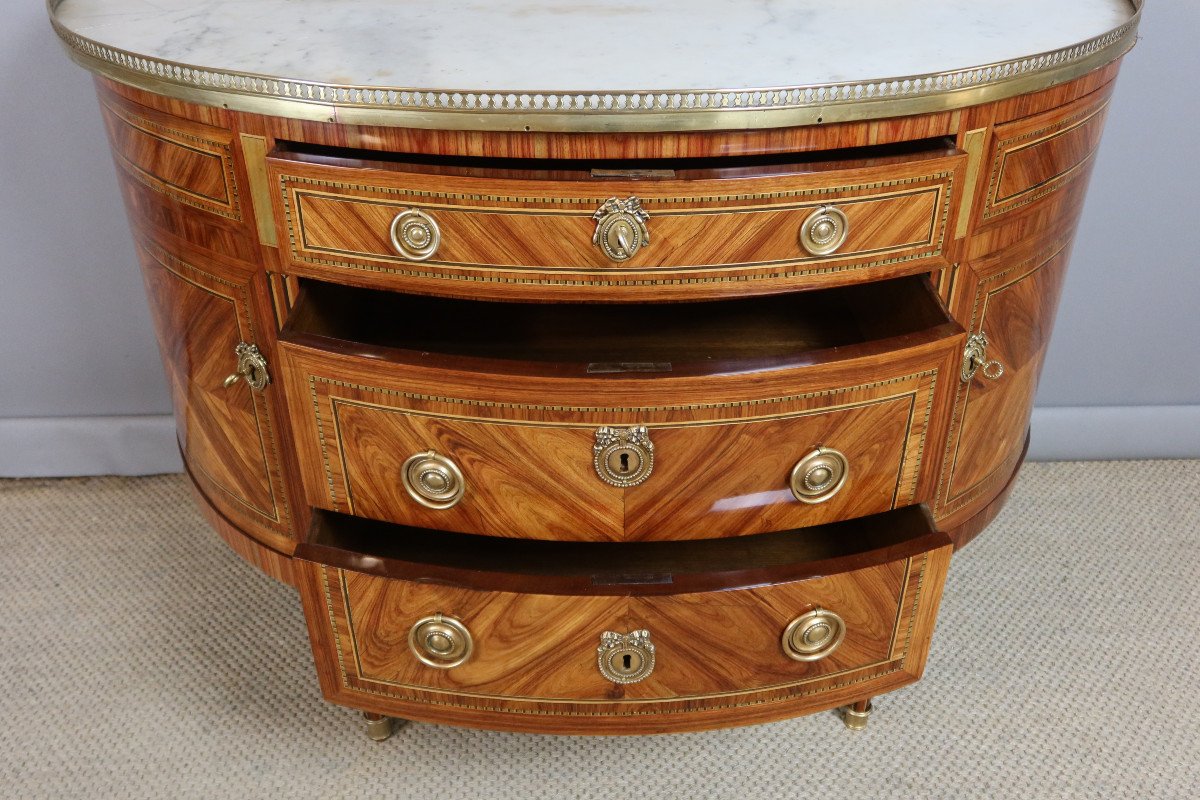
567 461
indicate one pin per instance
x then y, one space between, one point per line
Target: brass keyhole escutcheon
623 456
625 658
819 475
814 635
441 642
621 228
975 359
251 366
433 480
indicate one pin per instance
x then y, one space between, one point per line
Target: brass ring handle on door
819 475
813 636
621 228
251 365
440 642
975 359
433 480
415 235
824 231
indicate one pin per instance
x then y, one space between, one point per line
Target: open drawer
666 229
619 422
619 638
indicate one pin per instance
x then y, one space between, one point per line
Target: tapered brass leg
855 715
379 727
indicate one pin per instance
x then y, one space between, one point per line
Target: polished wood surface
737 349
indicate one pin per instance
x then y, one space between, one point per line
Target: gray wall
82 391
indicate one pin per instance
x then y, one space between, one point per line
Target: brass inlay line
973 145
254 153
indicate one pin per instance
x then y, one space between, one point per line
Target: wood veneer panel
1035 156
1015 303
225 433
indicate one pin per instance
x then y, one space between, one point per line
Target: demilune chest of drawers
574 394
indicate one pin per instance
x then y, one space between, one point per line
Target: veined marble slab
558 45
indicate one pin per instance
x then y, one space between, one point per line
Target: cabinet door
202 311
1014 307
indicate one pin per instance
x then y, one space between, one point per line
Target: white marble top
559 45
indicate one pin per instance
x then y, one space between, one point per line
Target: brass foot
379 727
855 716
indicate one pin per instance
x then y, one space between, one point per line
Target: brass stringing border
279 508
636 110
229 207
894 664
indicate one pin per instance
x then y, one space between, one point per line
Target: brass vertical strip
254 152
279 300
973 145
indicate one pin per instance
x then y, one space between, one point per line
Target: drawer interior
596 338
490 563
600 170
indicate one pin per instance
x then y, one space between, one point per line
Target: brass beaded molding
648 110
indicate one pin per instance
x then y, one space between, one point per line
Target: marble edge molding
651 110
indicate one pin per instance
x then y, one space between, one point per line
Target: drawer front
532 457
507 237
540 654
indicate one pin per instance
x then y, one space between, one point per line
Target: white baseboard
61 446
55 447
1092 433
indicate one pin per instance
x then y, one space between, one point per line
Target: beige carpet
139 658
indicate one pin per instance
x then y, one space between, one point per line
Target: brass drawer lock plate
251 365
623 456
625 658
621 228
440 642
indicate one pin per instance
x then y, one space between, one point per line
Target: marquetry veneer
574 584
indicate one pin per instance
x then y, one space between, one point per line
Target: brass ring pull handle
625 658
440 642
975 359
433 480
819 475
415 235
621 228
251 365
813 636
824 231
